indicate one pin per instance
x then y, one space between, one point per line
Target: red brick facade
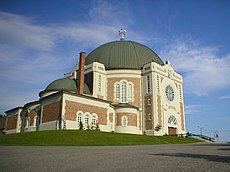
72 108
51 112
11 122
132 119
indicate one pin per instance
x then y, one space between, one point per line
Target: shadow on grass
215 158
224 149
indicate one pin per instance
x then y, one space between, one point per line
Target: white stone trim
52 125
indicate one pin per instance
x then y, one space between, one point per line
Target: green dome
65 84
123 55
62 84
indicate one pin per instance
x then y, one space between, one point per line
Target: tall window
79 117
124 121
94 120
117 91
123 92
130 92
87 119
148 84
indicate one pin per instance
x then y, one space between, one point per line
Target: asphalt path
192 157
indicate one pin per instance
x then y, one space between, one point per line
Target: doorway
171 131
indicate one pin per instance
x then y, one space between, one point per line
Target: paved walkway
193 157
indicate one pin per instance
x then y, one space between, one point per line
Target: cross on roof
122 33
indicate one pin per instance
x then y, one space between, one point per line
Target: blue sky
41 40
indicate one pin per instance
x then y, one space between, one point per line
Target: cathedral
121 86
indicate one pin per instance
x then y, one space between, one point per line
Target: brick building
121 86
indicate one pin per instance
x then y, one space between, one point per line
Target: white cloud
192 109
203 68
87 34
21 31
33 55
224 97
112 13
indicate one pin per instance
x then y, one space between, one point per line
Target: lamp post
201 128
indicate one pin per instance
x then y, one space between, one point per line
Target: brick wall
12 122
72 108
137 93
51 112
132 118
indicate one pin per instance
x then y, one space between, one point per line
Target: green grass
86 138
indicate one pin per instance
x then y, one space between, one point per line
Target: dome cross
122 33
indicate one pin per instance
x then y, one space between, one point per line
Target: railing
202 136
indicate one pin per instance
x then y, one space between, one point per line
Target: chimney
81 73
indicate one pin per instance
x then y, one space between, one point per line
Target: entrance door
171 131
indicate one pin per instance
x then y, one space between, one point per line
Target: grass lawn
86 138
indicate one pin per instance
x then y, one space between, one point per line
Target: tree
1 115
80 126
97 127
158 127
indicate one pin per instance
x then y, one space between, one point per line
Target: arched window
124 121
117 91
130 92
86 119
94 120
123 92
172 120
79 118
